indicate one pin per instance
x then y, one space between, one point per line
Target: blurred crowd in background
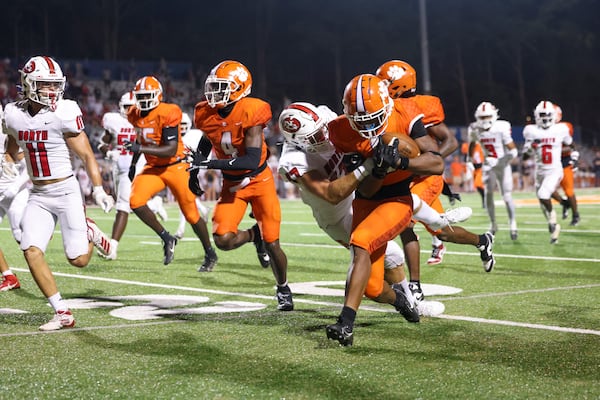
97 88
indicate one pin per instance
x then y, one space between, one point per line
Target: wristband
360 173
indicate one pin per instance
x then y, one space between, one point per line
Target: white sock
435 241
7 272
57 302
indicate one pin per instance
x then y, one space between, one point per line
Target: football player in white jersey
13 199
191 138
310 161
116 130
495 137
47 128
544 141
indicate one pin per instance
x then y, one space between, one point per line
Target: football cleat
458 214
487 257
210 262
429 308
261 248
575 220
437 255
9 282
554 233
98 238
284 299
403 306
113 251
62 319
415 288
514 235
169 249
565 208
342 333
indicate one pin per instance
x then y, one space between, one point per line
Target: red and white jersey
120 129
42 137
493 140
549 146
192 138
294 163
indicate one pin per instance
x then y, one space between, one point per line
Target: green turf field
530 329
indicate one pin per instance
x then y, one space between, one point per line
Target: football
407 147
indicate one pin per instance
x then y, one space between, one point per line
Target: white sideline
306 301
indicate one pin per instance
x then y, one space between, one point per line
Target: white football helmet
126 101
545 114
486 114
304 126
185 124
43 81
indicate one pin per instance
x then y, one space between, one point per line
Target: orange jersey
566 150
227 134
347 140
431 107
150 128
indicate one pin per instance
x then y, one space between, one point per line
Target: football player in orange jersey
233 125
383 205
401 78
569 159
158 138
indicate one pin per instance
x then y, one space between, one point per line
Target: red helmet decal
29 67
291 124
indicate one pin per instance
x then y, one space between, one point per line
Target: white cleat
428 308
458 214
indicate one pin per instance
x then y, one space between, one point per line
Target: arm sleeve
248 161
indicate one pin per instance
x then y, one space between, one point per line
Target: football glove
101 198
133 147
194 184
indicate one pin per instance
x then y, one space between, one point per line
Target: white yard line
312 302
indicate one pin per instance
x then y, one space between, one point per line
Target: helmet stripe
360 102
307 110
50 64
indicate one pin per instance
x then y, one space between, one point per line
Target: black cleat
210 262
565 208
403 306
575 220
261 248
415 288
342 333
487 257
169 249
284 299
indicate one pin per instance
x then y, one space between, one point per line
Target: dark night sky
511 52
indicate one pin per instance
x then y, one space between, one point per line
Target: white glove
575 155
112 155
105 201
9 169
491 161
11 191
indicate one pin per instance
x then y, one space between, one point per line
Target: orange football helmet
228 82
401 76
148 93
367 105
558 113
